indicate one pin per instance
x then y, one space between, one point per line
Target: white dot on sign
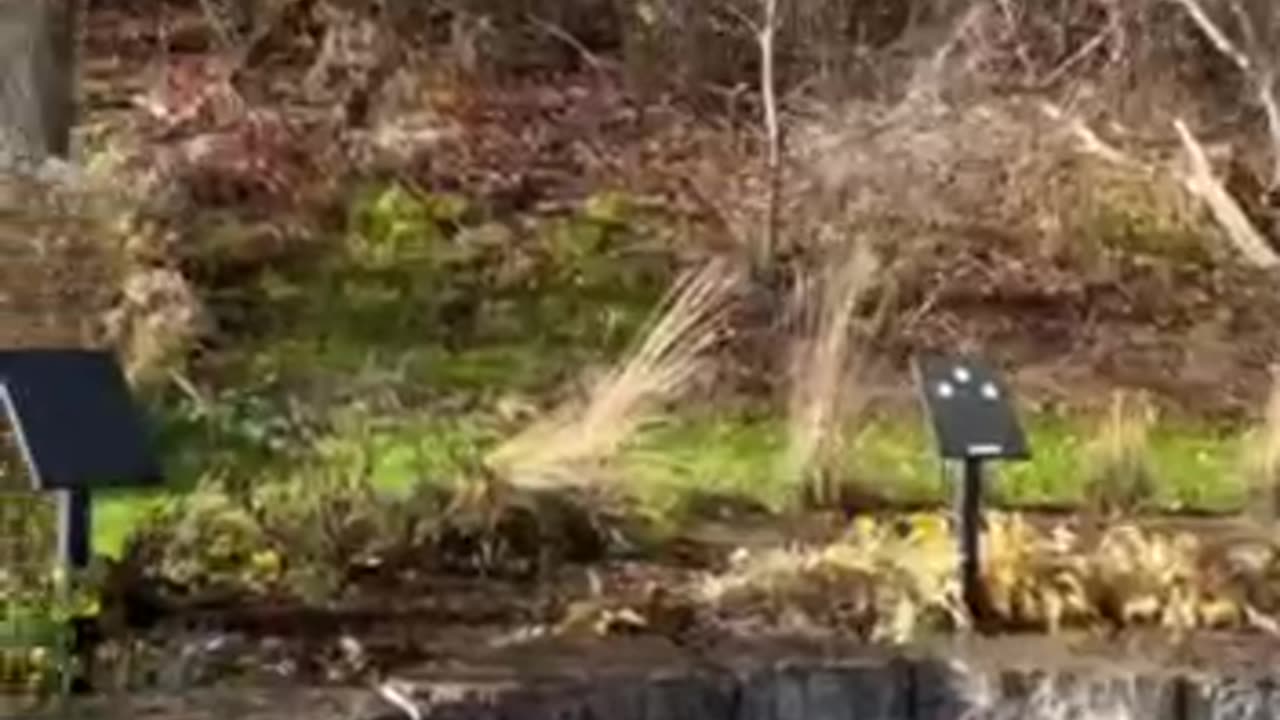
989 391
945 389
962 374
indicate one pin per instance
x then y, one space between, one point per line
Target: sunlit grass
1194 467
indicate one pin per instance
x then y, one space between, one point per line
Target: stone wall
896 690
621 684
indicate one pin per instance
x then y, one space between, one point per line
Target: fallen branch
1200 181
1093 144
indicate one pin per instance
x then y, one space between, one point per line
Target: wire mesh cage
31 648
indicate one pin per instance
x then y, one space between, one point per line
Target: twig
1076 58
1093 144
742 17
559 33
1216 35
394 692
1266 96
228 37
1261 621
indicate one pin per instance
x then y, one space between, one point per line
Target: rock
1232 698
823 692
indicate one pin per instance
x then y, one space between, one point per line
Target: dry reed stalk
688 322
1120 477
823 388
1262 460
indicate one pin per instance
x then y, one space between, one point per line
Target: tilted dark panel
75 420
970 409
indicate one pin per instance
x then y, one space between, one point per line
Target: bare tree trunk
767 36
37 97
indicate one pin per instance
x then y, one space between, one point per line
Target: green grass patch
1195 466
424 292
116 514
668 465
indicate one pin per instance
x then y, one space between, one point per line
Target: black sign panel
970 409
74 420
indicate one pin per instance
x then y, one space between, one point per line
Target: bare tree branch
744 18
1259 70
1266 96
1199 180
1216 35
555 31
1251 45
773 131
1077 57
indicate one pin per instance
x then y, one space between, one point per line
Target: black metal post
75 544
969 529
75 515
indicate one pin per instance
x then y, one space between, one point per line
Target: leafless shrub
952 149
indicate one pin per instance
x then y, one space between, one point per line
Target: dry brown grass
672 354
1118 459
824 388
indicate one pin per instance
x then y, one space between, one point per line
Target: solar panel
74 420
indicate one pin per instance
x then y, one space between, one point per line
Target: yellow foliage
892 583
1033 578
900 578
